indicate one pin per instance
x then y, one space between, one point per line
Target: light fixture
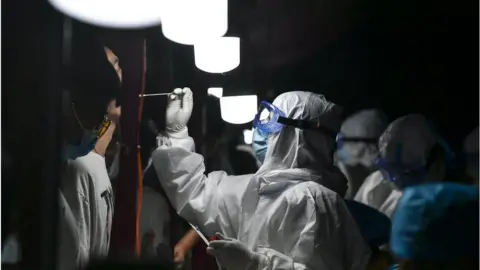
217 55
248 136
191 21
238 109
111 13
215 91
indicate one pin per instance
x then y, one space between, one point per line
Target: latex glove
233 254
179 110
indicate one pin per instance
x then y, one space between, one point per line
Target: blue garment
374 226
394 267
87 144
436 221
259 144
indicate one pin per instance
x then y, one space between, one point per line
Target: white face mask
115 167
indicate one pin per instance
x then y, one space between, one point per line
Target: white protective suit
416 138
154 220
356 159
470 148
88 192
285 212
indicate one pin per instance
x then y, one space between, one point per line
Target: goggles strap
360 140
306 125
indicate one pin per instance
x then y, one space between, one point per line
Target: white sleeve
191 193
68 248
197 198
76 190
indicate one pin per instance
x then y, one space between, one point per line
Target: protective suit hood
305 154
368 124
414 134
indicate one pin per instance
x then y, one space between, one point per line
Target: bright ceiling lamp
248 136
217 55
215 91
191 21
111 13
238 109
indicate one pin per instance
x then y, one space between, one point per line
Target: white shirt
88 192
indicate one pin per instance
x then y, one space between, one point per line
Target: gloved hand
179 110
233 254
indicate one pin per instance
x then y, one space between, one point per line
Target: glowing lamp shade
110 13
238 109
248 136
217 55
191 21
215 91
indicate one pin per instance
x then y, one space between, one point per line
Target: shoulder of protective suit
316 189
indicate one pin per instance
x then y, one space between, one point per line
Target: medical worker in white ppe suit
357 146
410 153
280 217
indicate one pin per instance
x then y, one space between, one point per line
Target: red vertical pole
125 242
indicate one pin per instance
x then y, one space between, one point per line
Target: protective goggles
271 119
393 171
342 139
397 169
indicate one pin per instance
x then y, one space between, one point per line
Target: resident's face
113 59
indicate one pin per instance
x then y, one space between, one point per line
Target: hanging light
111 13
217 55
215 91
238 109
190 21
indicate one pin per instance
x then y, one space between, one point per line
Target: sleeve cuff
181 134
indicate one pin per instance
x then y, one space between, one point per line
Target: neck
104 141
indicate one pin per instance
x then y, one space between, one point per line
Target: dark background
401 56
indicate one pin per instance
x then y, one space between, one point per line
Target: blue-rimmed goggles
271 119
394 170
342 139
